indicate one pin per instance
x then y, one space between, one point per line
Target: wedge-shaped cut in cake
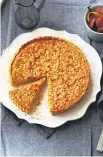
25 98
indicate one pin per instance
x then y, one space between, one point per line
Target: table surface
77 138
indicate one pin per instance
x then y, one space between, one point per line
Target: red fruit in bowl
99 22
92 16
99 10
92 23
100 30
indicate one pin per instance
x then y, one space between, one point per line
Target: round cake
62 63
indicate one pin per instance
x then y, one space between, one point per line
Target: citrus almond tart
62 63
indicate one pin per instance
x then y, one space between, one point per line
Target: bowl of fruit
93 20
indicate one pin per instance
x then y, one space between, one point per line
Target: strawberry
92 23
99 22
99 10
100 30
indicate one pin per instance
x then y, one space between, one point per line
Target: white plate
42 114
1 2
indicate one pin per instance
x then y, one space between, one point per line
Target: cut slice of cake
25 98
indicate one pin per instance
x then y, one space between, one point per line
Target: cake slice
25 98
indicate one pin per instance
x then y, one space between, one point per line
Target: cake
62 63
25 97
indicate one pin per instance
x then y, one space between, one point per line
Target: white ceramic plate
42 114
1 2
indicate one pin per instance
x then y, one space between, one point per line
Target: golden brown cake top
61 62
26 97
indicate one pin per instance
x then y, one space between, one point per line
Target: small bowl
96 36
